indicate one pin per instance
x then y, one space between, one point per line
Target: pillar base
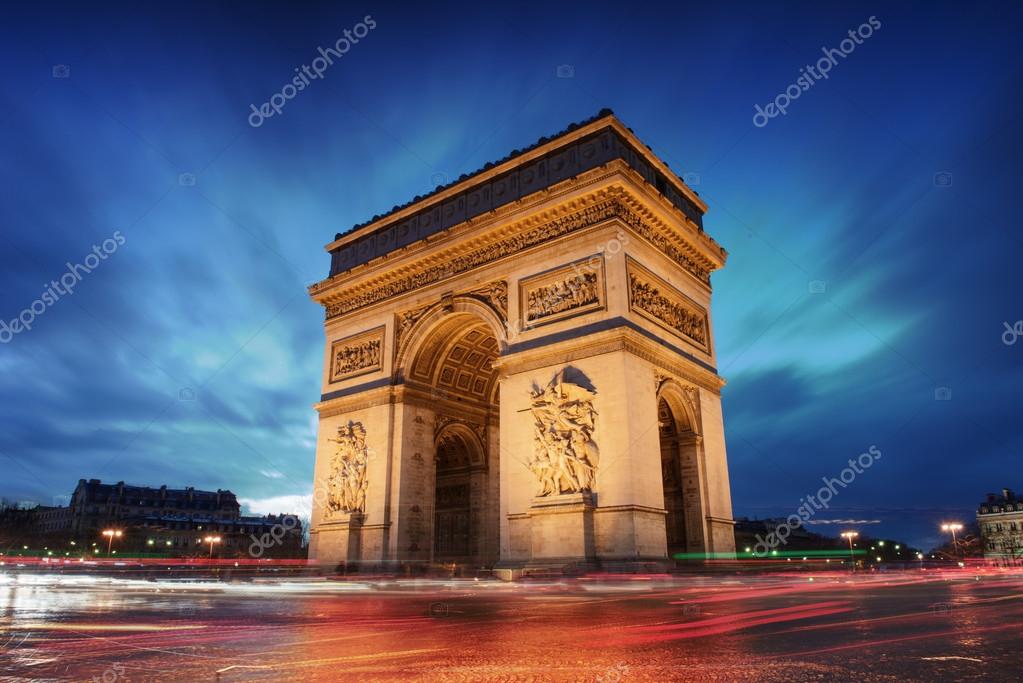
561 530
340 539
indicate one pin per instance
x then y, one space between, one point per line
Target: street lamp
953 527
850 535
111 534
211 540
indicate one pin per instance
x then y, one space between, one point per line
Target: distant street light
850 535
953 527
111 534
211 540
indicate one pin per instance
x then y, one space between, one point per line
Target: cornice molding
370 398
617 339
344 294
411 394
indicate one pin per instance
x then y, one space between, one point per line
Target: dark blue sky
191 354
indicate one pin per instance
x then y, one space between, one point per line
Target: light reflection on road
953 625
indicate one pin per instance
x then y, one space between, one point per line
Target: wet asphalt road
908 626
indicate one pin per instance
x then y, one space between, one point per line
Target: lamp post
849 536
211 540
111 534
953 527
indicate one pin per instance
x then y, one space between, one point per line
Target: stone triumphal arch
519 369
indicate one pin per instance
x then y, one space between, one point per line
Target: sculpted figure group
576 291
348 359
346 484
672 313
565 456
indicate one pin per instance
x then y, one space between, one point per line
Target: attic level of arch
492 190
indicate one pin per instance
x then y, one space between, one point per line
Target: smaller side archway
682 472
459 491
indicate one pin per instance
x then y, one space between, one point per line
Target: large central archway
451 363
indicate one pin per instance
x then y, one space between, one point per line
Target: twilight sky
190 355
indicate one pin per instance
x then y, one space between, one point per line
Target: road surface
908 626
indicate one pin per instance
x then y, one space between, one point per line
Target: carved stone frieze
613 207
655 299
563 292
357 355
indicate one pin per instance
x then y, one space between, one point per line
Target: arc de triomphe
519 368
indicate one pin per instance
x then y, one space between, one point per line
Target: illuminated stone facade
1000 519
519 369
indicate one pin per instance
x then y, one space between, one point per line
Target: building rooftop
995 501
133 489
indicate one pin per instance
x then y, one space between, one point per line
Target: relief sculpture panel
563 292
655 299
346 484
357 355
565 456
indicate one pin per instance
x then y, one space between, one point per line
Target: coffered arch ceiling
458 357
